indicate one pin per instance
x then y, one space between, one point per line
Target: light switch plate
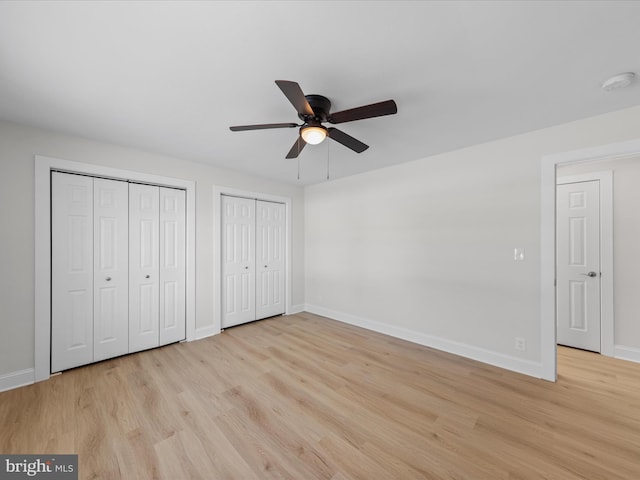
518 254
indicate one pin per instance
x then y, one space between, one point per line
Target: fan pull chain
298 156
328 143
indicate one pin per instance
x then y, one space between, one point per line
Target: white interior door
110 268
172 265
144 269
578 265
270 264
238 260
71 270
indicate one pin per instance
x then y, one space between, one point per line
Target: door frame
218 192
548 346
42 303
605 179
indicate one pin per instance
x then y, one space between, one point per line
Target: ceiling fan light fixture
313 135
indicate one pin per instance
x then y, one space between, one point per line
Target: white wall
626 241
424 250
19 144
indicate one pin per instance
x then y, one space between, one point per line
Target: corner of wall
296 309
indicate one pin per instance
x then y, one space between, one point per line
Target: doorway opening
548 277
584 256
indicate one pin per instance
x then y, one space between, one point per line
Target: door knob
147 276
246 268
108 279
590 274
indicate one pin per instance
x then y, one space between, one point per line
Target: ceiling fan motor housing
321 107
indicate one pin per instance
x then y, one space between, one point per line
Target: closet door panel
143 267
172 265
238 260
270 262
111 269
71 271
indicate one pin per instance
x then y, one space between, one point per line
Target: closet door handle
147 276
108 279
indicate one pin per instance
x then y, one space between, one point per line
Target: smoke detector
616 82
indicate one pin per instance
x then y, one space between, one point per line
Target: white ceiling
171 77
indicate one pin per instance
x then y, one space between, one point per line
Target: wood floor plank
305 397
201 420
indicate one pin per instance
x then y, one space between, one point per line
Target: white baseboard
204 332
296 309
627 353
526 367
12 380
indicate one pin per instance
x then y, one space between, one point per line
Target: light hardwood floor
303 397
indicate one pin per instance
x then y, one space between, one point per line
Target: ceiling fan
314 110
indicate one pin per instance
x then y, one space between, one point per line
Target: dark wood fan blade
293 92
297 148
379 109
347 140
263 126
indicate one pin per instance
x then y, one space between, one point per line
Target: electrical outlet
521 344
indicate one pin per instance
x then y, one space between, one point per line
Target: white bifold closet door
71 271
110 267
270 265
238 260
144 269
173 266
157 266
253 265
89 318
118 268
